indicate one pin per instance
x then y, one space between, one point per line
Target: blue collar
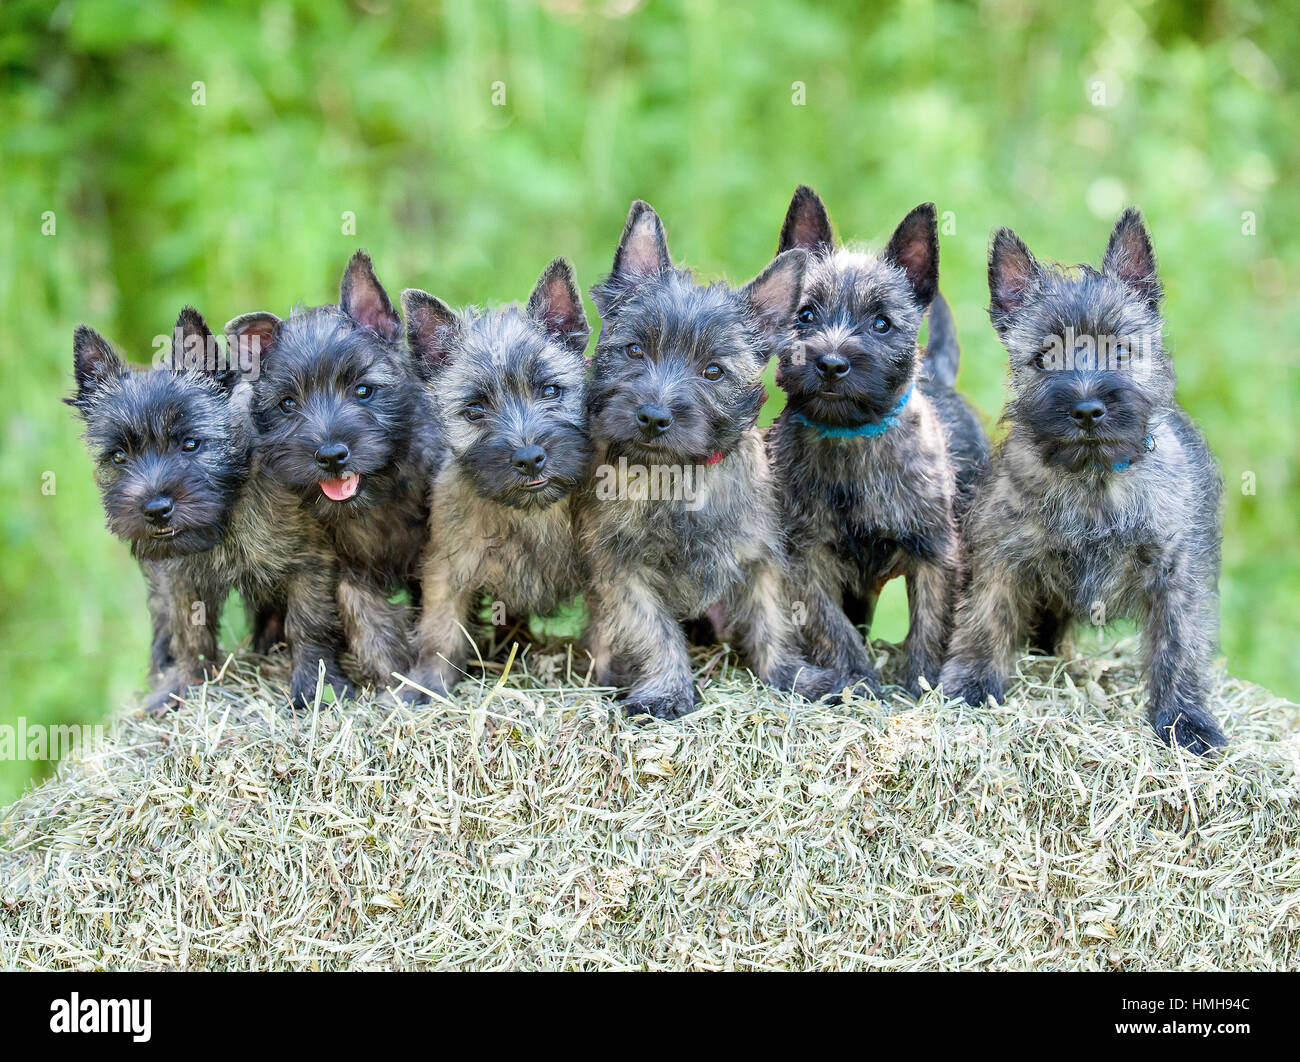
1119 466
870 431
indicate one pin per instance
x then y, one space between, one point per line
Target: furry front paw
858 683
160 702
1193 730
834 687
661 705
803 678
912 680
343 688
378 666
430 680
302 690
166 696
814 683
976 688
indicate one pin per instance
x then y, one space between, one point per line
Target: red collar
715 457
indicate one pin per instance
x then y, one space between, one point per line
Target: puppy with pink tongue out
341 489
343 421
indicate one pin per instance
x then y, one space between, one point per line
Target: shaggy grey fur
875 454
337 396
680 516
1103 500
172 447
509 389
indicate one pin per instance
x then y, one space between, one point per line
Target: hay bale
528 825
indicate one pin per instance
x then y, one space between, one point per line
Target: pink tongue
341 489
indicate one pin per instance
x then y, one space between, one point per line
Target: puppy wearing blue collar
876 455
1103 501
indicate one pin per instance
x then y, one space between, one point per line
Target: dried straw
528 825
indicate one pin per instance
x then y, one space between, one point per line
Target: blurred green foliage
209 153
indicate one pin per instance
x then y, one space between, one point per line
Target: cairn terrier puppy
509 389
1103 499
172 447
875 453
343 424
680 517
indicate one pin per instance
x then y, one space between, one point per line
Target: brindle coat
876 455
510 394
337 395
1103 501
675 396
179 483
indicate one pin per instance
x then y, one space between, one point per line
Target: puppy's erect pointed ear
643 248
774 293
195 348
556 305
806 224
431 327
94 363
364 299
1131 258
1013 274
250 338
914 248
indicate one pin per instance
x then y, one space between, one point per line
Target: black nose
654 419
158 509
831 366
332 456
529 460
1088 412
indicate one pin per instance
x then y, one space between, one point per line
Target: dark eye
473 412
1041 360
880 325
190 446
288 405
634 350
807 316
713 371
118 457
552 391
363 392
